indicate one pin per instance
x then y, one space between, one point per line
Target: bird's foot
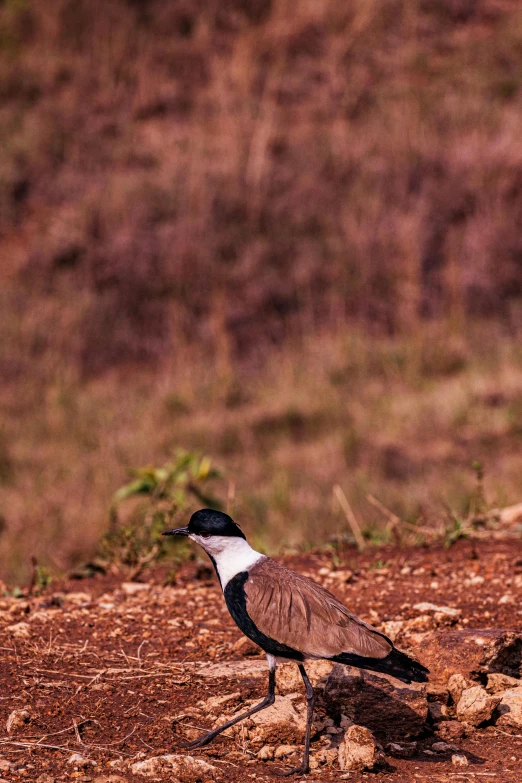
198 743
304 769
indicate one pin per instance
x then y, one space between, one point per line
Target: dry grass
400 420
291 239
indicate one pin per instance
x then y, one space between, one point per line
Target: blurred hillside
290 236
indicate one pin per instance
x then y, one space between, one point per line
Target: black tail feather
397 663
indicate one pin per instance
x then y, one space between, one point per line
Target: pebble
458 760
17 719
80 761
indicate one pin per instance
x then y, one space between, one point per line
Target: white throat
231 555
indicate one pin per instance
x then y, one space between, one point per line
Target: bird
291 617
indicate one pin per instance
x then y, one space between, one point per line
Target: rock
132 588
434 693
77 598
392 628
285 750
280 723
45 778
20 630
358 750
450 730
246 646
110 779
476 705
471 653
458 760
266 753
501 682
403 750
80 761
289 680
392 710
187 769
456 685
443 610
443 747
437 711
510 709
214 705
17 719
325 756
5 765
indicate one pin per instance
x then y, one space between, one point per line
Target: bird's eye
205 535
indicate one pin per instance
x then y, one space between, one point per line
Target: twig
118 742
34 745
395 520
77 732
390 516
34 574
350 516
139 650
142 562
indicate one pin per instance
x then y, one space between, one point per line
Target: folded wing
295 611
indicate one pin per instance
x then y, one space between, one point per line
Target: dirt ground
108 670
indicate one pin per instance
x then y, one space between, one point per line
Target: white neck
231 555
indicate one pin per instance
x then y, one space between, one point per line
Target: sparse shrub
170 490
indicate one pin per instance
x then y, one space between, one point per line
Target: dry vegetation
289 239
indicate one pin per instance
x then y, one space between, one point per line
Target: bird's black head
206 523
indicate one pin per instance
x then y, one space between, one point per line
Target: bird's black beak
177 531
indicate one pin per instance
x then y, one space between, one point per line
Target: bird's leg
267 701
310 701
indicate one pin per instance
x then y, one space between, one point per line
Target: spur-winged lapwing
289 616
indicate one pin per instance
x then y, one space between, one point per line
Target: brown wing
295 611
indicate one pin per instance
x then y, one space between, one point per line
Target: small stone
458 760
214 705
510 709
443 610
17 719
5 765
346 722
110 779
132 588
283 751
404 750
443 747
358 750
45 778
451 730
245 646
186 768
77 598
476 705
20 630
326 756
501 682
392 628
266 753
437 712
281 723
80 761
289 679
456 685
